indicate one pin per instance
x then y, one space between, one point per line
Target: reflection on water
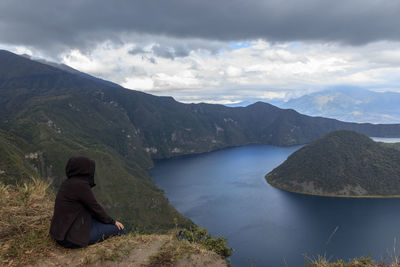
225 192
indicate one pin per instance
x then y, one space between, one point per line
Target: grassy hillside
48 115
341 163
25 215
43 147
392 145
13 165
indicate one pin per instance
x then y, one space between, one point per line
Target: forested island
341 163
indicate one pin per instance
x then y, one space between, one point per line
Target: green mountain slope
13 165
48 115
341 163
52 116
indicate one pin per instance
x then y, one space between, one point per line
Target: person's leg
66 244
100 231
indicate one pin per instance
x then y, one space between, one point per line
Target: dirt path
140 251
134 252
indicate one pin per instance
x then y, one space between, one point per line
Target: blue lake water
225 192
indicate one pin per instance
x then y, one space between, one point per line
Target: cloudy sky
217 51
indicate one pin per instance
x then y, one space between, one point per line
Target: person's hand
119 225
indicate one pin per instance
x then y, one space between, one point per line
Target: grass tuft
203 238
322 261
184 244
25 215
173 250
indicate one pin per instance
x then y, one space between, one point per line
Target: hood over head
81 167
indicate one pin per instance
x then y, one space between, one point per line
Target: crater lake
225 191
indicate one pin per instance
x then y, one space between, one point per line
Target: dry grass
135 250
112 249
174 250
25 214
182 253
321 261
129 250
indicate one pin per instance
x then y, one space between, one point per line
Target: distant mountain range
48 114
349 104
341 163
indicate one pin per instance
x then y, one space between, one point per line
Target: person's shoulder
73 187
76 182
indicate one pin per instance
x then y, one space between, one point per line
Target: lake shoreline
333 195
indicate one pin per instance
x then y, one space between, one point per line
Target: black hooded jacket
75 204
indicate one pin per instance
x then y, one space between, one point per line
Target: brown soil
134 251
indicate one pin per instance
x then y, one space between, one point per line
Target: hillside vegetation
48 114
25 214
342 163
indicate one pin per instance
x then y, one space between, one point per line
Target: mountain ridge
50 115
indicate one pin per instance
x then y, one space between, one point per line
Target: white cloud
232 71
257 70
213 101
139 83
272 95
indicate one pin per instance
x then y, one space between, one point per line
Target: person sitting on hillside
79 220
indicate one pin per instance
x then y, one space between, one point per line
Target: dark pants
98 232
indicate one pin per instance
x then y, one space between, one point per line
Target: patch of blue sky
240 45
295 44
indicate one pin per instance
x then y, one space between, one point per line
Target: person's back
79 220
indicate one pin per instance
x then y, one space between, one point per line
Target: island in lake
341 163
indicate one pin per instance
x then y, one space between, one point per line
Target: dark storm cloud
59 24
163 51
171 53
137 51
